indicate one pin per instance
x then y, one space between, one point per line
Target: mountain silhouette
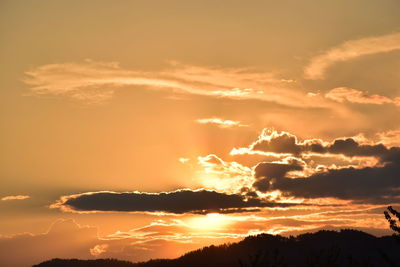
323 248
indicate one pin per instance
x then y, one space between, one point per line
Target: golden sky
145 129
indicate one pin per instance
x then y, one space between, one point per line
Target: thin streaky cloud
350 50
221 123
16 197
352 95
96 82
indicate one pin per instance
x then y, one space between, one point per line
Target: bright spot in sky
210 222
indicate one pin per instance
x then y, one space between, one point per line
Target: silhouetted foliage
324 248
266 258
325 257
393 217
393 220
86 263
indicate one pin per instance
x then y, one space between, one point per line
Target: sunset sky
146 129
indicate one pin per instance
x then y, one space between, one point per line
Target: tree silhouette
394 219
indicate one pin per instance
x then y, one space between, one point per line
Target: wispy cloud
64 239
351 95
172 237
221 122
390 138
16 197
96 82
351 50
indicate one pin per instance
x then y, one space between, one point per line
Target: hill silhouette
323 248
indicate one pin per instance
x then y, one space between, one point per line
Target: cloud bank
352 169
297 174
172 237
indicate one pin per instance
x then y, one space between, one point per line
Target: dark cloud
351 148
181 201
366 185
288 144
377 184
266 173
285 143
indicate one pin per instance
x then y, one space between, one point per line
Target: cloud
274 142
221 123
378 183
16 197
64 239
97 82
297 172
366 185
99 249
179 202
266 173
351 50
172 237
183 160
350 147
223 176
389 138
351 95
67 239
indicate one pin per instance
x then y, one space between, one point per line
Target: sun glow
210 222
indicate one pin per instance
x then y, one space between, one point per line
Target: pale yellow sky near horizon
133 95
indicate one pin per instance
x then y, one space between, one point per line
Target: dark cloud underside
182 201
288 143
367 185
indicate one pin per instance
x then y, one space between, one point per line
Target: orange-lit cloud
221 122
351 95
64 239
351 50
183 160
297 177
292 179
16 197
390 138
359 170
281 144
99 249
169 238
187 135
230 177
96 82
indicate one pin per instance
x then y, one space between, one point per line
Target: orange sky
139 130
